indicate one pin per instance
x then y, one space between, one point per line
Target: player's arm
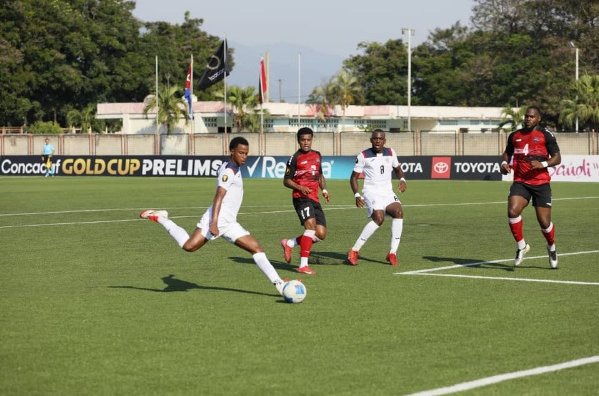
216 205
402 180
507 156
322 182
353 182
555 158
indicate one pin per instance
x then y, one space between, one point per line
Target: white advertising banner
574 168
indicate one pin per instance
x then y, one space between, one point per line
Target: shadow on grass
470 263
177 285
316 258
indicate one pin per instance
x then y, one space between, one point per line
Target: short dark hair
535 108
237 141
304 131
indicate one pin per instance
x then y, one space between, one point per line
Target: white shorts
379 200
230 231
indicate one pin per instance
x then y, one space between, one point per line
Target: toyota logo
441 167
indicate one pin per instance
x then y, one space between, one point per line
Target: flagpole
191 95
299 87
157 134
226 137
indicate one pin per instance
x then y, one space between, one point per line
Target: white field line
464 386
328 206
138 219
423 271
513 279
428 272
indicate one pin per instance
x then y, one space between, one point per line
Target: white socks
367 232
266 267
396 230
178 233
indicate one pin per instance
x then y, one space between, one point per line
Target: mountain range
315 68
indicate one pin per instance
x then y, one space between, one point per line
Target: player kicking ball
220 219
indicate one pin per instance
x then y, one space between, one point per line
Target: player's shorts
230 231
540 194
308 209
379 200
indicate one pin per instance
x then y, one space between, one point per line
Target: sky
331 28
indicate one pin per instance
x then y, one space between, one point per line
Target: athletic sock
516 226
396 230
178 233
549 234
306 246
367 232
266 267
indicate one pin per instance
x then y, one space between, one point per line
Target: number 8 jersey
377 168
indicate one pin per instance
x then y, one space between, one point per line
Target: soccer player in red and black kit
304 176
529 152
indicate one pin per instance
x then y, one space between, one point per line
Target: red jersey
524 146
305 169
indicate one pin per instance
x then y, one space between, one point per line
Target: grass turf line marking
507 376
512 279
418 272
330 206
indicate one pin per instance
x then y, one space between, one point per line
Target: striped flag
188 92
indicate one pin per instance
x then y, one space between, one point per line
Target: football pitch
94 300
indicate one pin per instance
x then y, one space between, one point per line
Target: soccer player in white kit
377 163
220 219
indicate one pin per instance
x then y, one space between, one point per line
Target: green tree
381 71
322 99
346 90
84 119
171 107
585 107
513 117
244 102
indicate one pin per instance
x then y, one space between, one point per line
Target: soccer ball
294 292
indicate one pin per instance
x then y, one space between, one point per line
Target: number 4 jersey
524 146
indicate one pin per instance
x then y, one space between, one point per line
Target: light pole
576 73
410 32
280 90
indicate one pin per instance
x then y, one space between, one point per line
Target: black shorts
46 158
308 209
541 194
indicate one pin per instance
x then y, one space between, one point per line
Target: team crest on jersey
225 178
536 140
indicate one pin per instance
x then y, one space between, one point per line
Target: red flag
262 83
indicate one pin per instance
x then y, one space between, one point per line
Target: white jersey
377 168
229 178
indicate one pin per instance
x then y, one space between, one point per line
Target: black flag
216 67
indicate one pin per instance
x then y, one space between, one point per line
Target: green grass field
96 301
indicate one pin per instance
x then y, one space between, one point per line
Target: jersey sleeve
290 169
225 180
550 142
509 148
359 166
395 163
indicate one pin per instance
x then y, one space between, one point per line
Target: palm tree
171 107
84 119
322 97
586 106
515 117
244 102
347 90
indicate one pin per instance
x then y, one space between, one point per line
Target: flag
188 92
262 83
216 67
